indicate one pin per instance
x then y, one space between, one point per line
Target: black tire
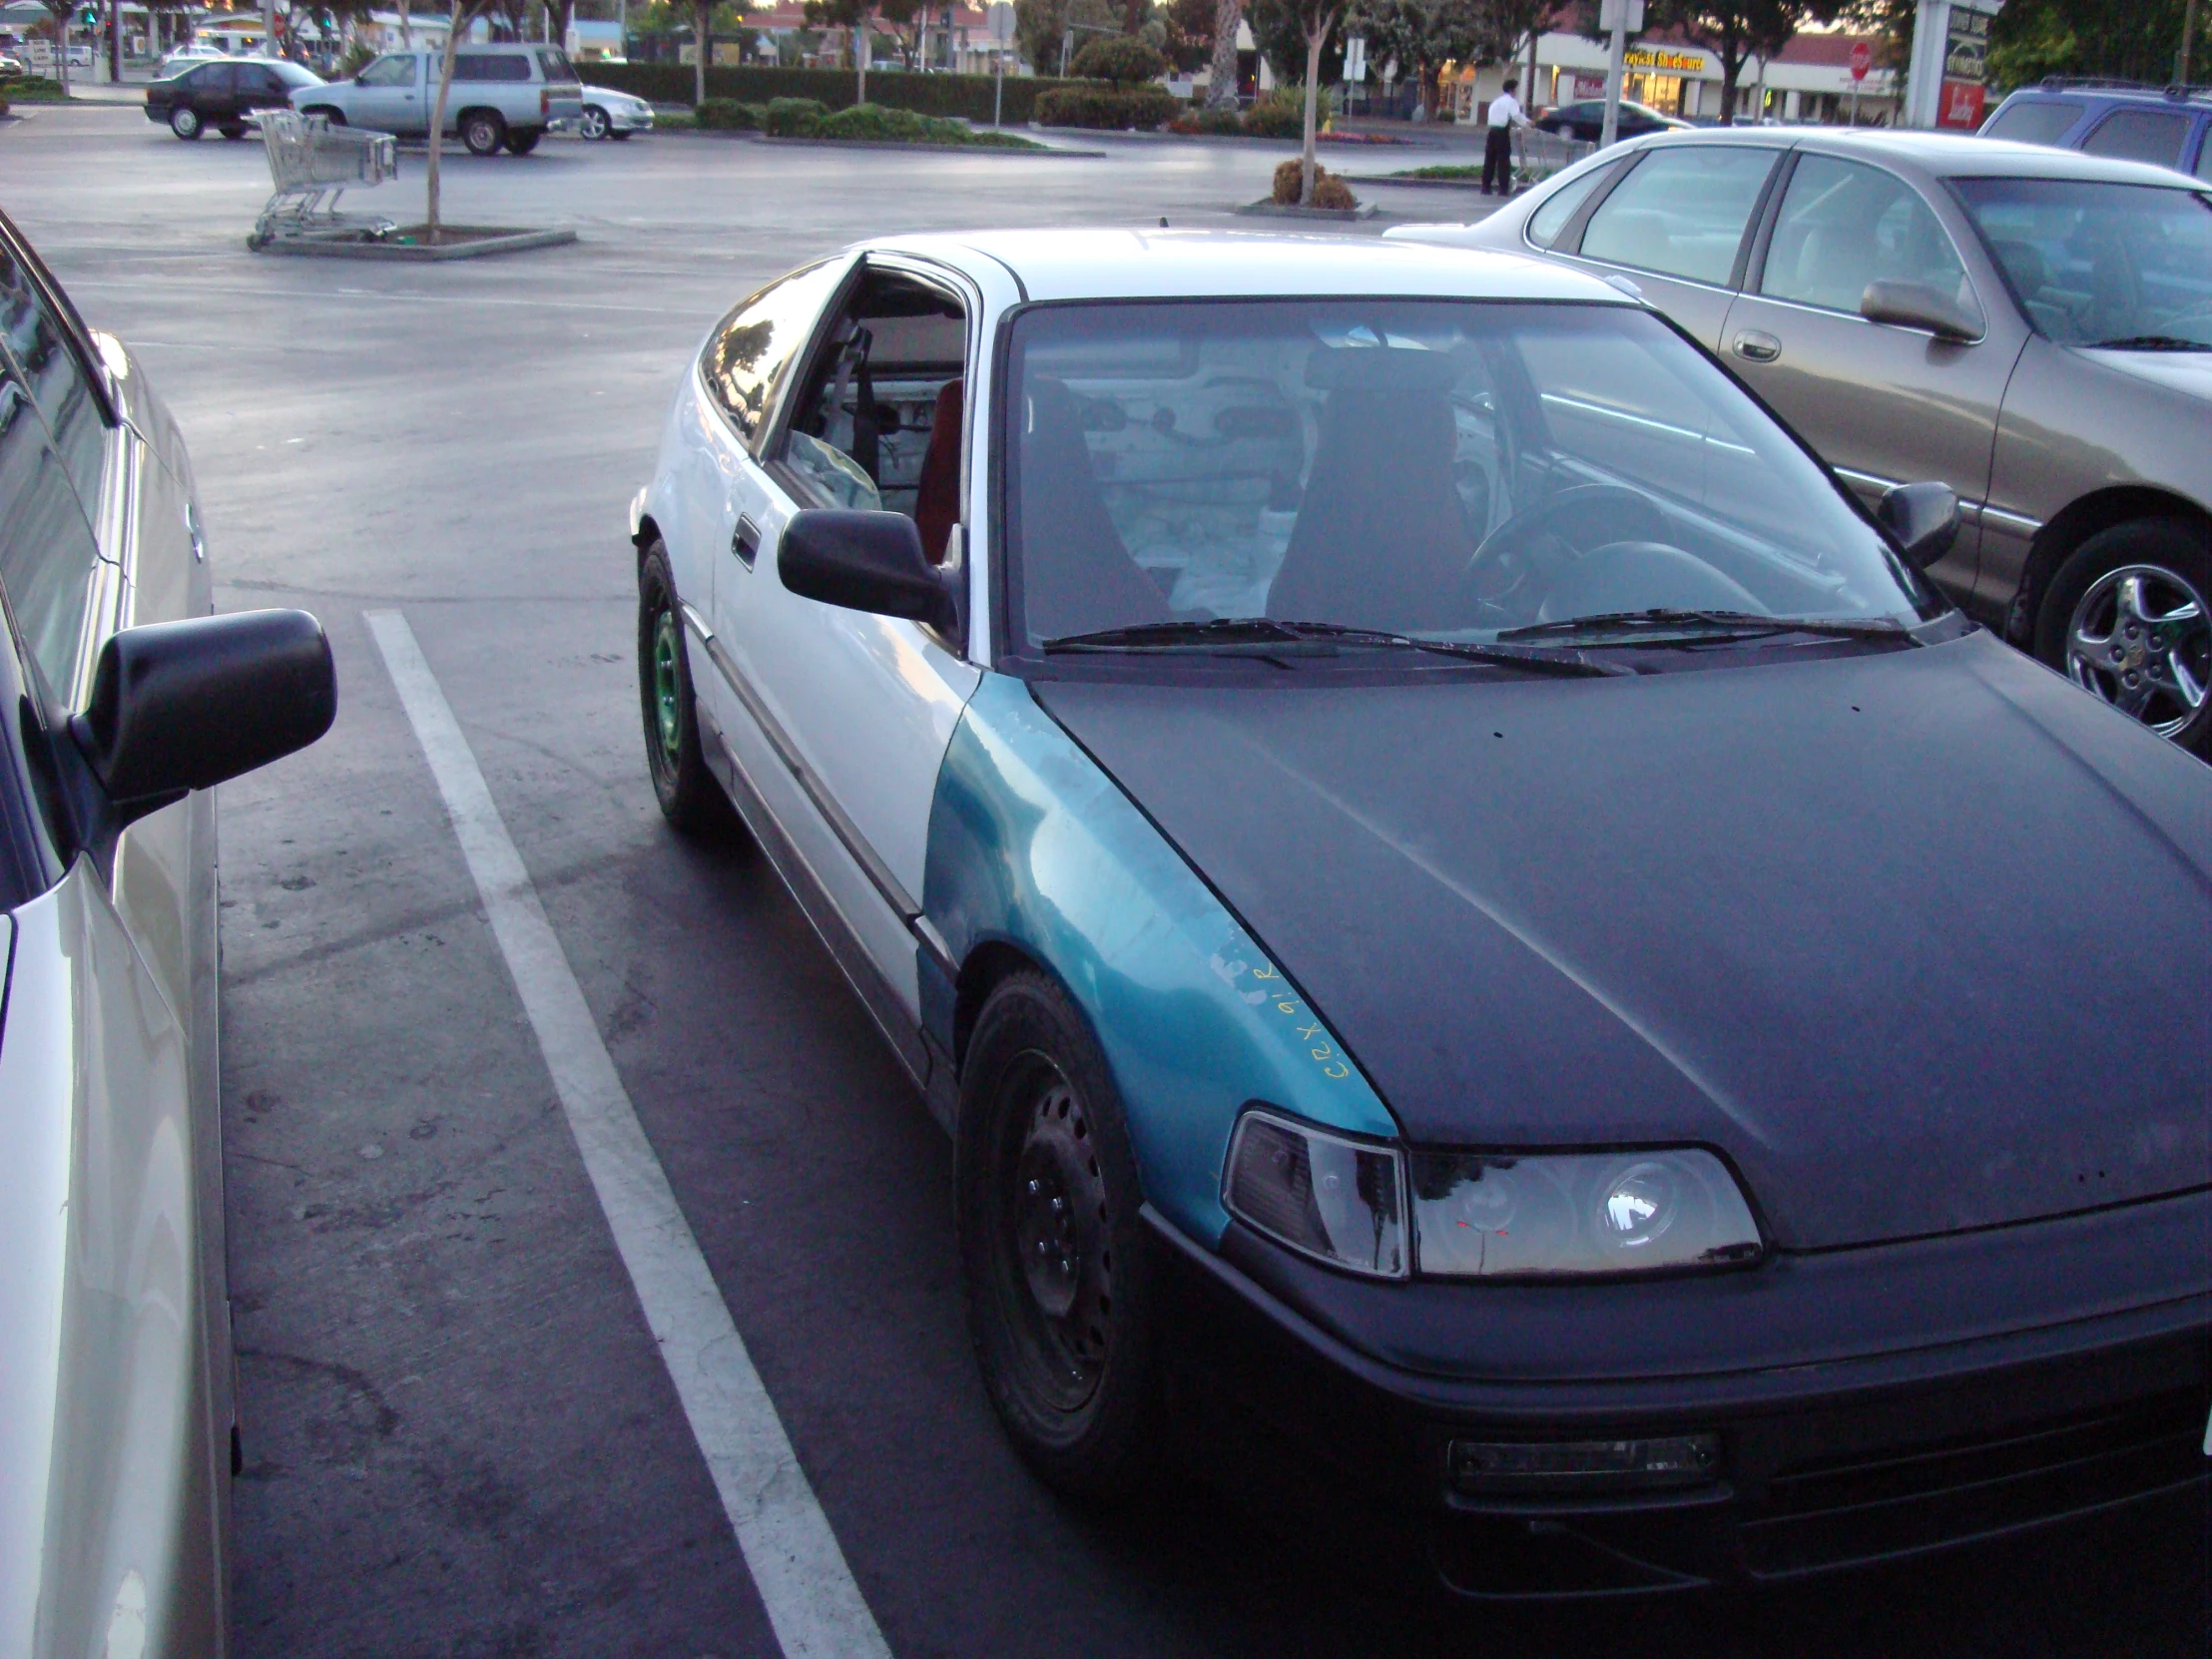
620 136
593 124
483 132
234 132
521 141
2139 672
690 797
185 122
335 118
1053 1256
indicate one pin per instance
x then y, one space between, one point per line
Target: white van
503 94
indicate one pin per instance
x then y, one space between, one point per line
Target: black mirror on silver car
1917 306
181 706
1924 518
866 562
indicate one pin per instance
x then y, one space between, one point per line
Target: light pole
1620 19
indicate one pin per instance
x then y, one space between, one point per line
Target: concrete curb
1474 184
405 253
1043 152
1342 216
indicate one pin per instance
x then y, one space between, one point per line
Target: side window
877 423
2033 122
1844 225
744 363
555 66
492 66
1682 213
2204 155
2153 136
398 70
46 548
30 861
38 340
1546 223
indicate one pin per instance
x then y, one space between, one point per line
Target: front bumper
1860 1420
629 119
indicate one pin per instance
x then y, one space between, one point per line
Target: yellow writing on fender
1274 988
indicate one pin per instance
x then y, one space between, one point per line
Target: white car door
843 717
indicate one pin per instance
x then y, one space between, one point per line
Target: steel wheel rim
1057 1253
186 121
2141 639
667 709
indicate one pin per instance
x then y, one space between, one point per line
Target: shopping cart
1538 155
313 163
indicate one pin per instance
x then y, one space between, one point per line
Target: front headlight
1494 1215
1324 1194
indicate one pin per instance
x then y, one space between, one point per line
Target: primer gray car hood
1920 940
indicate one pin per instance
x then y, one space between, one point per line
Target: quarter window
1549 219
744 363
1844 225
556 66
2152 136
38 343
1682 213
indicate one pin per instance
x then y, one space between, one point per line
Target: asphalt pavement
460 1439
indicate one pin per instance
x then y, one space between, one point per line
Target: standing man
1497 153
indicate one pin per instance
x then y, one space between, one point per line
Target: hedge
793 116
728 114
833 89
1108 109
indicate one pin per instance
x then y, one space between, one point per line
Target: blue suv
2167 126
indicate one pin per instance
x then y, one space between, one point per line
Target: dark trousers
1497 161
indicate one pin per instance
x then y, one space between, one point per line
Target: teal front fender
1033 847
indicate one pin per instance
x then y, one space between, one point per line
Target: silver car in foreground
125 701
2032 326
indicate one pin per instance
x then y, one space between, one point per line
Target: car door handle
744 542
1758 348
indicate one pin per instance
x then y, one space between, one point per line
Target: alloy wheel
2141 639
594 124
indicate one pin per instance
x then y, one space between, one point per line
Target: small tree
857 18
1736 30
462 18
1121 59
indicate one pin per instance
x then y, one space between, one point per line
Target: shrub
1329 190
1108 109
833 89
728 114
793 116
878 122
1280 114
1122 59
1208 123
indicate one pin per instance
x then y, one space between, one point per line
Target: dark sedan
1587 119
223 95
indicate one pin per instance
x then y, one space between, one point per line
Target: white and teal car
1483 935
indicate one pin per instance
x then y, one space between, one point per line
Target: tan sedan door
1883 405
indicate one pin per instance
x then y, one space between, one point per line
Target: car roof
1946 155
1092 264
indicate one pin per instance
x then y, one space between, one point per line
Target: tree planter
456 242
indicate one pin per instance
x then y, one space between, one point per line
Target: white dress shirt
1506 111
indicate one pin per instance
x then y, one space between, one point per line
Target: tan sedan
2032 326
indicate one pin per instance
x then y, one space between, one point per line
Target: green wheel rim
667 688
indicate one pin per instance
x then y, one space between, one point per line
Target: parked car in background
2164 125
222 94
1587 119
12 67
185 56
2032 325
609 114
126 704
502 95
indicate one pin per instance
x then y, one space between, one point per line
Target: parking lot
458 1435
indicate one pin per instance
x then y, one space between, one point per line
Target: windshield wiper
1677 624
1260 631
2151 342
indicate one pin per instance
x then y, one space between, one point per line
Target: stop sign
1862 59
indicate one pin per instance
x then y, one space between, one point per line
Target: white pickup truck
503 94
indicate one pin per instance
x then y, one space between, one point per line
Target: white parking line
801 1573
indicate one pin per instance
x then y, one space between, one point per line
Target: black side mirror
867 562
1917 305
179 706
1924 518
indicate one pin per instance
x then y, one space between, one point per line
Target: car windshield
2094 262
1447 469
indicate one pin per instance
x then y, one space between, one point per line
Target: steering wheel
1581 518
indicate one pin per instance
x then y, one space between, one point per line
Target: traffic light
91 19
